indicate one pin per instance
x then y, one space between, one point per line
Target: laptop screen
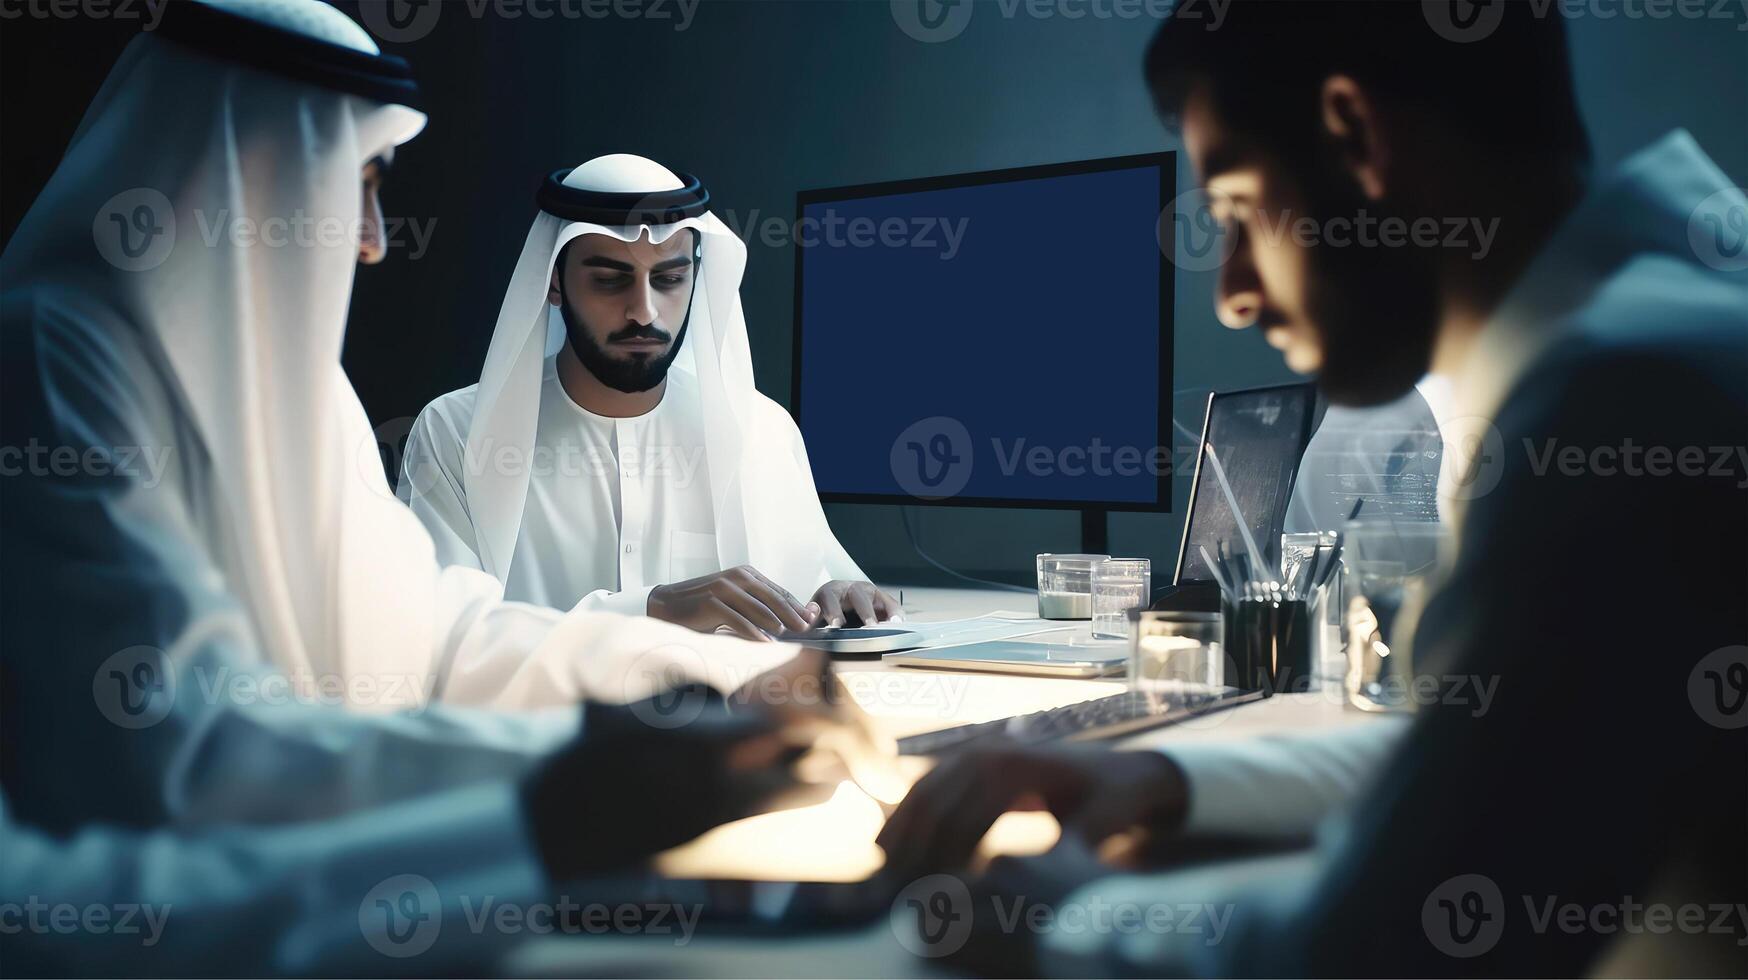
1252 442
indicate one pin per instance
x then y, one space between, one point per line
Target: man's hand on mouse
841 601
740 599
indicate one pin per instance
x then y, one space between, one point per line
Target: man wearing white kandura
615 453
166 622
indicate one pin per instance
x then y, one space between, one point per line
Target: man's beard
627 374
1374 308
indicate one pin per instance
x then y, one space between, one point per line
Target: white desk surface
839 835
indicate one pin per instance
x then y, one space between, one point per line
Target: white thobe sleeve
192 723
631 602
253 901
109 569
1280 786
1174 924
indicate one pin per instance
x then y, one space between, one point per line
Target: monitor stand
1094 532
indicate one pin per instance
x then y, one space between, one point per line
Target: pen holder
1270 643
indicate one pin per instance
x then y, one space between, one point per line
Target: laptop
1251 447
1253 442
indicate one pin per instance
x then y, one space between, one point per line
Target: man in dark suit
1594 331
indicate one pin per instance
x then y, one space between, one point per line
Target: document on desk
981 629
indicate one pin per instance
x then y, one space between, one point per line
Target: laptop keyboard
1105 717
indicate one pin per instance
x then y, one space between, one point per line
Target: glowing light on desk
830 841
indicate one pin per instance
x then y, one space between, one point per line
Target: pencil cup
1272 644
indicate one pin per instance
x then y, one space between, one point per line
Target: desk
906 700
979 697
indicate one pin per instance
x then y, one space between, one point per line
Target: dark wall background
765 97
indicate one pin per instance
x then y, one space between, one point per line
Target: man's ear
1351 118
553 296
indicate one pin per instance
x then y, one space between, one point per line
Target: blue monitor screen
1001 340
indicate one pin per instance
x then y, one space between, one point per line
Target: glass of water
1065 585
1119 585
1177 650
1390 567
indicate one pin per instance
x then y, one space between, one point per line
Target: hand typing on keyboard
1094 793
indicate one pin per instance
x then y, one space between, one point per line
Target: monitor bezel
1166 162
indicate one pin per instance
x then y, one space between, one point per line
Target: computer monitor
998 339
1257 438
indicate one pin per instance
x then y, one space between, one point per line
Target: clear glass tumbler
1119 585
1174 650
1065 585
1390 566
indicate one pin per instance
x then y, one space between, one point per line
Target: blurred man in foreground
1601 318
199 644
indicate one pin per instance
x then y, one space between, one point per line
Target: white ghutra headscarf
233 122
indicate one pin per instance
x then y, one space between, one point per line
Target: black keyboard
1106 717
